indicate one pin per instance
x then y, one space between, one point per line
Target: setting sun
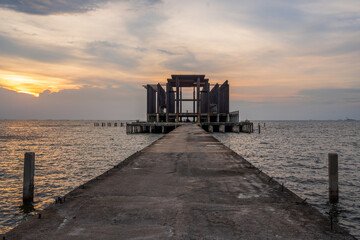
33 85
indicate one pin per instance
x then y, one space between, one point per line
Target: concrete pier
186 185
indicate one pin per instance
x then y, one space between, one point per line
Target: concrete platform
186 185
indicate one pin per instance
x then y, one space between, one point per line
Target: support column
167 101
194 100
198 98
210 129
177 100
180 111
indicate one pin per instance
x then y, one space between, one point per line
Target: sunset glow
289 53
33 85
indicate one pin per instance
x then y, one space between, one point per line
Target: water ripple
68 153
295 152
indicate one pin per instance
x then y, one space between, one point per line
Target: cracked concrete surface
186 185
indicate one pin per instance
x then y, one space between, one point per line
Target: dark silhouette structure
210 104
210 107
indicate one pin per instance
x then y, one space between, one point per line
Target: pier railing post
333 177
29 170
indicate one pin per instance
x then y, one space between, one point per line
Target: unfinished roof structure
210 104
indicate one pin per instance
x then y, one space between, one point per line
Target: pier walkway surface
186 185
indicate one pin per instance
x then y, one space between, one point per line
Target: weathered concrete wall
186 185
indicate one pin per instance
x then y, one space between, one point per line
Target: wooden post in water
29 170
333 177
259 127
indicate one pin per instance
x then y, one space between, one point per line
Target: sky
88 59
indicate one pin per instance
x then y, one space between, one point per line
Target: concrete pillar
217 118
333 177
236 128
177 99
210 129
29 172
180 110
222 128
194 101
227 117
208 117
150 129
163 129
259 127
198 99
157 118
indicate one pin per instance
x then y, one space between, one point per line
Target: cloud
166 52
189 62
145 24
46 7
86 103
31 50
333 95
119 54
309 110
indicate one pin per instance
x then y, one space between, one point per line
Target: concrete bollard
333 177
222 128
29 170
236 129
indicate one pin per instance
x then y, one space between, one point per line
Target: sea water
69 153
295 153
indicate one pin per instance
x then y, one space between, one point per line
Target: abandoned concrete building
210 106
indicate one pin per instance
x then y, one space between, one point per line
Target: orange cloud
32 84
